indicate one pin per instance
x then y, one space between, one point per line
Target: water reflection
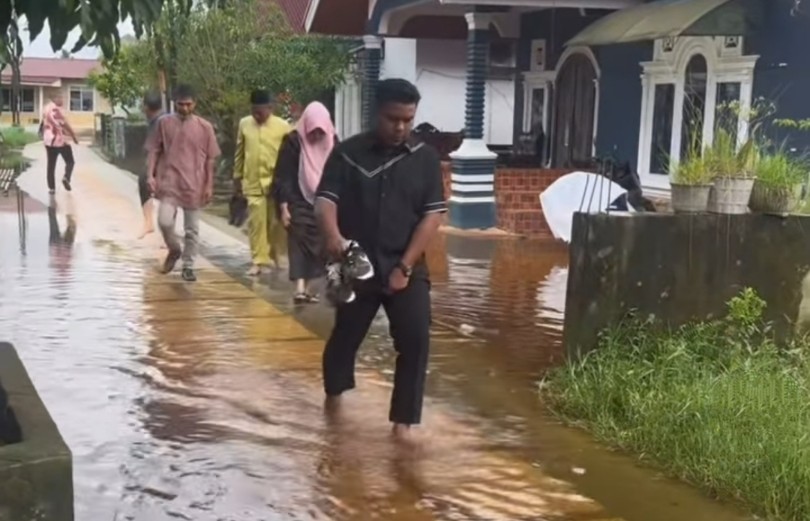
509 292
204 401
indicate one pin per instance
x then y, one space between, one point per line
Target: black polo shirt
382 194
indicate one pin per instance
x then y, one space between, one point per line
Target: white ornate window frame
725 63
534 80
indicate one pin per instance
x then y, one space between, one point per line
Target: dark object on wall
628 179
680 268
445 142
10 431
40 464
237 211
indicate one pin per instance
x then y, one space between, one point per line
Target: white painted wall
438 68
441 77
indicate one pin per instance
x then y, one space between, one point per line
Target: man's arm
154 148
327 200
433 208
239 159
69 130
213 153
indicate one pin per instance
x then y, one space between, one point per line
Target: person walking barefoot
383 189
153 110
183 151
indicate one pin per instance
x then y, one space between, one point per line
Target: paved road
203 401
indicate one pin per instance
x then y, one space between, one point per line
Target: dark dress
303 238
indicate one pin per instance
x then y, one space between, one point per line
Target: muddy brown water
204 402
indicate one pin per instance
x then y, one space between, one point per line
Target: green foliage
227 52
794 124
16 137
715 403
98 19
693 170
125 78
781 170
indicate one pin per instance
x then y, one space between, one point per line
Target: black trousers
409 317
143 189
53 154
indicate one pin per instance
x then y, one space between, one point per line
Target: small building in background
41 79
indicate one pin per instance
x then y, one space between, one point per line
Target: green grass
15 137
716 404
13 159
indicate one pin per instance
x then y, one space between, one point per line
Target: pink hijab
313 155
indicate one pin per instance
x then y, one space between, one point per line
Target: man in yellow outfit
257 144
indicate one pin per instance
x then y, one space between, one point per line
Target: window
81 99
662 127
26 102
693 85
694 106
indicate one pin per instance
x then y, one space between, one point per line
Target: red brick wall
447 171
517 196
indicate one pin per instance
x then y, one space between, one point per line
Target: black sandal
301 298
312 299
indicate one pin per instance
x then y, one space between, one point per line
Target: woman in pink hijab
299 169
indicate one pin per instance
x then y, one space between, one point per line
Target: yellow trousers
265 231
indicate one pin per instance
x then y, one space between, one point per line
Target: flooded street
204 401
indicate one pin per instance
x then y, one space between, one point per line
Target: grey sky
41 47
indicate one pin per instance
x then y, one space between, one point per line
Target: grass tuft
16 137
717 404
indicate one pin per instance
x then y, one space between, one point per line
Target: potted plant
778 185
733 172
691 185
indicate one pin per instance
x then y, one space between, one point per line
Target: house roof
42 71
296 11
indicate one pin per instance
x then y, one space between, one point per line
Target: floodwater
204 402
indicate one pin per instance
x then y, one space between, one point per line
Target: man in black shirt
384 190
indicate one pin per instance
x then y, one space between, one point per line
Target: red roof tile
296 11
62 68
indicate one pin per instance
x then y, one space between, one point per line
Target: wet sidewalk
204 401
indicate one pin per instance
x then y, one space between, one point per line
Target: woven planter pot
775 199
690 198
730 195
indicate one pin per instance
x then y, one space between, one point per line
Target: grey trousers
167 219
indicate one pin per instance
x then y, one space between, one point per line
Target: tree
125 78
98 19
11 49
230 50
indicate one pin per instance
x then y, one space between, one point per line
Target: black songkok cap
260 97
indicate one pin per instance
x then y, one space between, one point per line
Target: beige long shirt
183 149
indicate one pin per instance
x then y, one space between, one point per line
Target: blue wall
620 99
620 85
783 70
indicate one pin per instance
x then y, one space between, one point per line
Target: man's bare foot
407 435
146 231
254 271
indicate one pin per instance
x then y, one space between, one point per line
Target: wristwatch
406 270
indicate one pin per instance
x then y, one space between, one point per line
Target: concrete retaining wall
36 479
680 268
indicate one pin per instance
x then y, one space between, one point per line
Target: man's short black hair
397 91
261 97
184 91
153 101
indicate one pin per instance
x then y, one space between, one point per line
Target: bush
714 403
16 137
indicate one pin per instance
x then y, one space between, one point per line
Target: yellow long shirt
257 149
